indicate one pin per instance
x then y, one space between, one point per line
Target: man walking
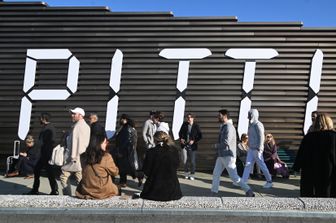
256 147
226 155
96 127
77 143
47 142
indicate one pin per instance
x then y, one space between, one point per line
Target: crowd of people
96 161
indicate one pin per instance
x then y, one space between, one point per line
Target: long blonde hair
164 138
270 139
323 122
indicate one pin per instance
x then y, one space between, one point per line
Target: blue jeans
189 159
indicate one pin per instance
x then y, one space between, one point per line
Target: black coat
27 163
97 128
317 160
195 134
160 167
126 142
33 153
47 141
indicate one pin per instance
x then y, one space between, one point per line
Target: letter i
248 80
182 79
314 88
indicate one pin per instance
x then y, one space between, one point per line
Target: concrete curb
23 208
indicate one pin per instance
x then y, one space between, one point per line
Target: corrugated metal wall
148 80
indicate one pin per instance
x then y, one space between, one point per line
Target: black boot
140 175
139 181
54 192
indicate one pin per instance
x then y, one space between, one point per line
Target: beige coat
101 186
77 143
79 139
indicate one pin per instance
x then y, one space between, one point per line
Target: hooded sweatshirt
256 132
227 142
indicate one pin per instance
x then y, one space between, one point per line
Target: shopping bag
57 157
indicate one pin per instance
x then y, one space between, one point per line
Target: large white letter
314 88
248 80
29 80
182 79
112 105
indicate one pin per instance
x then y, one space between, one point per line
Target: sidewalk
199 187
279 204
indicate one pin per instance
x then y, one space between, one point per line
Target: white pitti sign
182 55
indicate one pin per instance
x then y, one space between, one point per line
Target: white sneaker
268 185
191 178
186 175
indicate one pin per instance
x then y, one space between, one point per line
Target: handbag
57 157
277 165
72 167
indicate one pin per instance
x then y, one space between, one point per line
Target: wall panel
148 81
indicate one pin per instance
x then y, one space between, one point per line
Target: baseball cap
78 110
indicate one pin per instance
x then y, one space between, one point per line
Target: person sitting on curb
27 160
98 170
272 160
160 168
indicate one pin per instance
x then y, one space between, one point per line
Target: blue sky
313 13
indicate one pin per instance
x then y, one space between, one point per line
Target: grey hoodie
256 131
227 142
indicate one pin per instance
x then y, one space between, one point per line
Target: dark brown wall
148 80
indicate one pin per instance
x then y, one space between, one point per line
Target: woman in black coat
125 152
316 159
160 167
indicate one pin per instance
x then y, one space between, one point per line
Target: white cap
78 110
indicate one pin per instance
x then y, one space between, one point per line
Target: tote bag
57 157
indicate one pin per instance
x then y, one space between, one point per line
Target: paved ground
199 187
279 204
